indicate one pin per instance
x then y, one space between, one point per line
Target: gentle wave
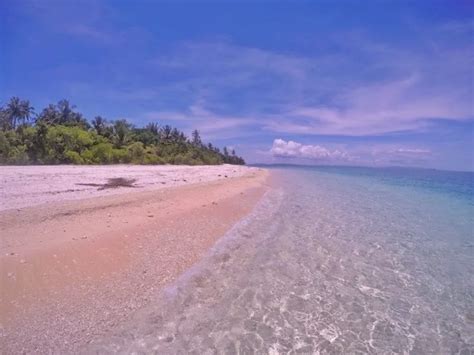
330 261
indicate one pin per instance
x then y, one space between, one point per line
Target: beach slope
78 257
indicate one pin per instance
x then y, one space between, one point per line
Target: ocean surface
332 261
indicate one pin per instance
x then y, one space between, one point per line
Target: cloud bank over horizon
379 155
397 91
290 149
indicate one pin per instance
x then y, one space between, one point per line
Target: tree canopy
60 134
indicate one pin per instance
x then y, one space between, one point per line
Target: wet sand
72 270
326 263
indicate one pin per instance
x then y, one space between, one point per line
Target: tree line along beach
60 134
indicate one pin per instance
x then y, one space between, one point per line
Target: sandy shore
25 186
71 268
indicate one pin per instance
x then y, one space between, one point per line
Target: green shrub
73 157
60 139
18 155
120 156
88 157
5 147
136 152
152 159
103 153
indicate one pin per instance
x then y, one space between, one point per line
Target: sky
349 82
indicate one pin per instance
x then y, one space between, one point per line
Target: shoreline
32 185
71 281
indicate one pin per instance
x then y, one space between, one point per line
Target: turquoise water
332 260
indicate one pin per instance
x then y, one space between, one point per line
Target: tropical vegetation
59 134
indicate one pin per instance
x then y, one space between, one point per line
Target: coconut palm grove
59 134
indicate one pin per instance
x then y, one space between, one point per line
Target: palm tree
49 115
16 112
99 123
122 132
68 115
175 135
153 128
196 138
4 119
166 132
66 111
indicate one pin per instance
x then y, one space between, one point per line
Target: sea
333 260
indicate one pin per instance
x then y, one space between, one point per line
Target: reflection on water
327 263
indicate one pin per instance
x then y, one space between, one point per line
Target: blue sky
324 82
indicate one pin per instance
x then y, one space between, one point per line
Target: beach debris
22 261
112 183
84 237
150 215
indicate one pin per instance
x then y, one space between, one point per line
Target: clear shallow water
333 260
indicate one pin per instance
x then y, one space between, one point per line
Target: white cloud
390 89
291 149
209 124
400 105
220 57
362 87
358 154
412 151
